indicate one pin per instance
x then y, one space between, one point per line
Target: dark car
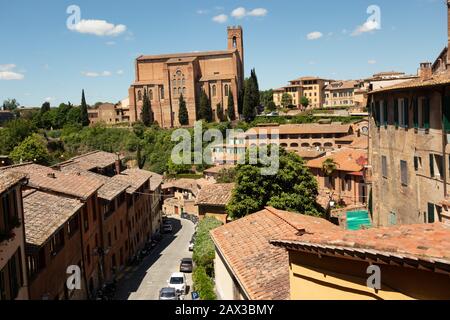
167 228
168 294
186 265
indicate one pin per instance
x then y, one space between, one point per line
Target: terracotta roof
91 160
45 214
156 180
341 85
350 160
9 179
435 80
191 185
310 154
360 143
219 168
48 179
135 177
214 77
183 55
415 244
216 194
263 269
309 128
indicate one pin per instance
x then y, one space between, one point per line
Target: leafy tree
33 149
329 167
139 129
203 255
286 100
293 188
271 106
175 169
45 107
183 115
304 101
266 97
231 111
219 111
226 176
205 110
203 284
241 99
84 116
249 111
140 158
74 116
61 115
147 113
10 105
14 133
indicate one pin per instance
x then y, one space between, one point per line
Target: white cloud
372 61
258 12
91 74
239 13
221 18
120 72
201 11
111 43
7 73
368 26
98 27
314 35
49 99
7 67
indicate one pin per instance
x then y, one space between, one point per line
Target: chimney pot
51 175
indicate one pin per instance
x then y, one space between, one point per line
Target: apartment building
309 87
13 274
340 94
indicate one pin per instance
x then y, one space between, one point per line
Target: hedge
203 284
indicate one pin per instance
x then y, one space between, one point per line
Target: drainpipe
444 142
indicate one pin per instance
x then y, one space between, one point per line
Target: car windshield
176 280
168 294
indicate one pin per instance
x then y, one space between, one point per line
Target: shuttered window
404 172
430 213
426 113
384 168
416 113
396 113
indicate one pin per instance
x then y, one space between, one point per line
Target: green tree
286 100
266 97
147 113
255 89
293 188
241 99
175 169
249 110
304 101
74 116
231 112
32 149
271 106
10 105
61 115
219 112
329 167
183 115
84 116
203 254
45 107
205 110
226 176
14 133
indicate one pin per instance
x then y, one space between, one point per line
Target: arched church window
139 95
150 94
179 90
174 90
162 93
184 90
227 90
234 42
214 91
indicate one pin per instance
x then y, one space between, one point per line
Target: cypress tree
183 115
231 111
256 99
219 111
147 113
205 112
248 109
84 111
45 107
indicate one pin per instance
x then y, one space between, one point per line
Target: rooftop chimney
425 72
51 175
118 164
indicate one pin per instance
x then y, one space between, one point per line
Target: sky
48 54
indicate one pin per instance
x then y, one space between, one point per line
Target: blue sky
40 58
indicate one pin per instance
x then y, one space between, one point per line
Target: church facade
165 77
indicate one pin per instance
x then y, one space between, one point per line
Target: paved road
145 281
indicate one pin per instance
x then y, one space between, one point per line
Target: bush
203 284
204 251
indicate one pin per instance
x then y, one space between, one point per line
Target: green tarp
356 220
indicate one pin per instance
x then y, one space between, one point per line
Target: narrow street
144 282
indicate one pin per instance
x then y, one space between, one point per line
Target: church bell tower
236 41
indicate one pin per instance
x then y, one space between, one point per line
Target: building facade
340 94
309 87
13 275
164 78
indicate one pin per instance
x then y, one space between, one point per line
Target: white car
178 282
191 246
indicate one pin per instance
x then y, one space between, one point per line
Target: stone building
340 94
13 274
212 201
409 148
309 87
166 77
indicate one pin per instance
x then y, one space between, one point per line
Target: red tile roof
92 160
9 179
215 195
263 269
349 160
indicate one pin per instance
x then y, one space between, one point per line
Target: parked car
168 294
167 228
178 282
186 265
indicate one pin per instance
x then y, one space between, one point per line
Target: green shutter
396 113
385 112
416 113
446 114
406 112
377 113
426 113
430 213
431 165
